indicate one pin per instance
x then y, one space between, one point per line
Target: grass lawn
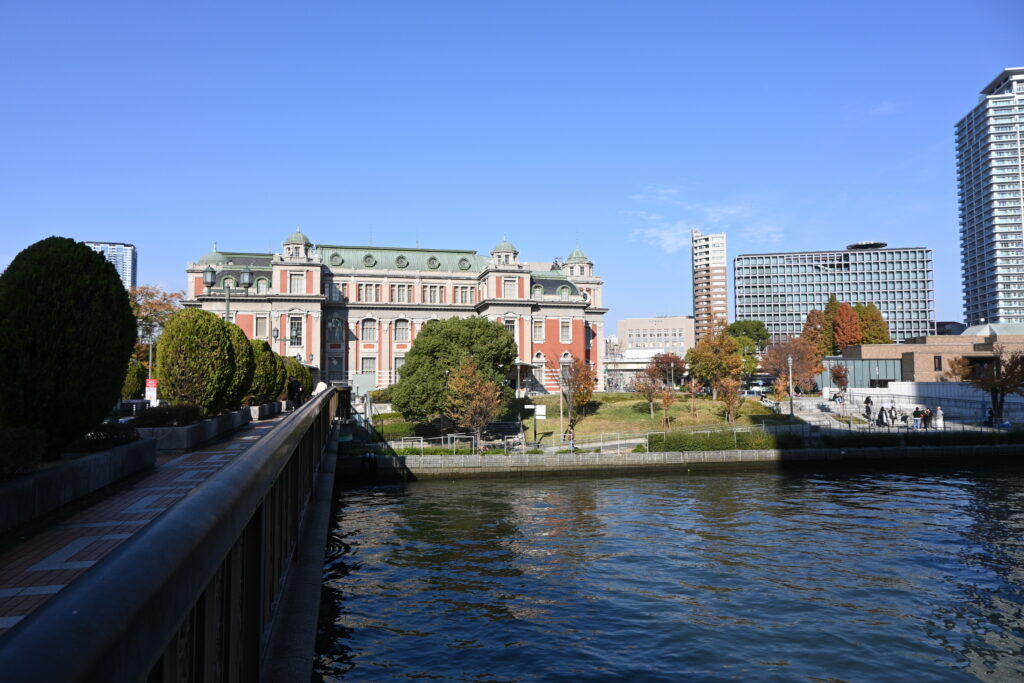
629 412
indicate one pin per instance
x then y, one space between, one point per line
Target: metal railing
192 595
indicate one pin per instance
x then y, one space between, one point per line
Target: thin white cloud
762 233
669 239
884 108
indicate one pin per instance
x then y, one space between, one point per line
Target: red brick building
353 309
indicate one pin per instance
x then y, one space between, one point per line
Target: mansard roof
401 258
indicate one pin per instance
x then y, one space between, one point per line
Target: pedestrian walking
939 419
926 417
917 417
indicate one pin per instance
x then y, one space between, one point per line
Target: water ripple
768 576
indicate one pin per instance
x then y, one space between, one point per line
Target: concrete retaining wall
190 436
39 493
450 466
264 410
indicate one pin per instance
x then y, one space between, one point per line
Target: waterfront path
34 568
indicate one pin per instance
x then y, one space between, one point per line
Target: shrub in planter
66 333
282 378
264 376
21 449
294 368
167 416
134 381
196 360
245 364
104 437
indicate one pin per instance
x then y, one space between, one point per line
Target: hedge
134 385
196 361
264 378
66 333
245 365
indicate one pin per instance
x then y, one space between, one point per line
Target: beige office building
662 334
710 297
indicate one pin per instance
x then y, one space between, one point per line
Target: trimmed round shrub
264 377
241 381
294 368
196 361
282 378
134 381
66 333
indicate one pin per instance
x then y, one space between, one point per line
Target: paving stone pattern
40 566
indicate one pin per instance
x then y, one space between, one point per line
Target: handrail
115 621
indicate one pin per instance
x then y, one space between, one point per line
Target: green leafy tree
245 365
846 327
818 333
293 368
282 377
714 358
66 333
134 381
873 327
440 347
265 387
196 361
473 400
751 329
749 352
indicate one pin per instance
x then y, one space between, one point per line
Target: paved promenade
39 566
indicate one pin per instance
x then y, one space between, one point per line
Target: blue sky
787 125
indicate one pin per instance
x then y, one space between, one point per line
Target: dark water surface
725 576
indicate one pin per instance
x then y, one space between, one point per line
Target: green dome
213 258
297 238
504 245
578 256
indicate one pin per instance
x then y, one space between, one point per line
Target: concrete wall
456 466
960 402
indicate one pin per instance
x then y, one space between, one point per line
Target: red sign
151 383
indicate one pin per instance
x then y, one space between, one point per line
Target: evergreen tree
873 327
751 329
846 327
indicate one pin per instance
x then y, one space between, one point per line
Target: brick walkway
40 566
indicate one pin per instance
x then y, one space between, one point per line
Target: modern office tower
781 289
710 299
124 257
989 154
662 334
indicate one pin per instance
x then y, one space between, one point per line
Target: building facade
124 257
780 289
710 280
989 154
662 334
352 309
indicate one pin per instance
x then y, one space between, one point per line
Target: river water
856 576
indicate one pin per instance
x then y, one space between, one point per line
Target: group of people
921 418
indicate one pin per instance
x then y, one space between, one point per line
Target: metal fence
192 595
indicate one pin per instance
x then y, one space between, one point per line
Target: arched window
262 285
229 283
538 291
369 331
401 331
563 292
335 331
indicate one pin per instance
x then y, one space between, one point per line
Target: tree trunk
650 404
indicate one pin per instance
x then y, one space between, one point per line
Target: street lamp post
789 362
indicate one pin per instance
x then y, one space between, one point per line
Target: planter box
190 436
265 410
36 494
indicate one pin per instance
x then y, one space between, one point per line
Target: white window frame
538 324
509 284
295 324
407 329
296 278
364 326
562 325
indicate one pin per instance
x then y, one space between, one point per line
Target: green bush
66 333
723 440
134 381
282 378
21 449
167 416
245 365
104 437
395 430
264 377
381 395
196 361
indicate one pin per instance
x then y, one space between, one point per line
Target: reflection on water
811 576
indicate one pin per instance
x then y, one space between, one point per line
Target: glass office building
989 154
124 257
781 289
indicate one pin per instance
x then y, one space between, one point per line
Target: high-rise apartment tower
710 298
989 153
124 257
